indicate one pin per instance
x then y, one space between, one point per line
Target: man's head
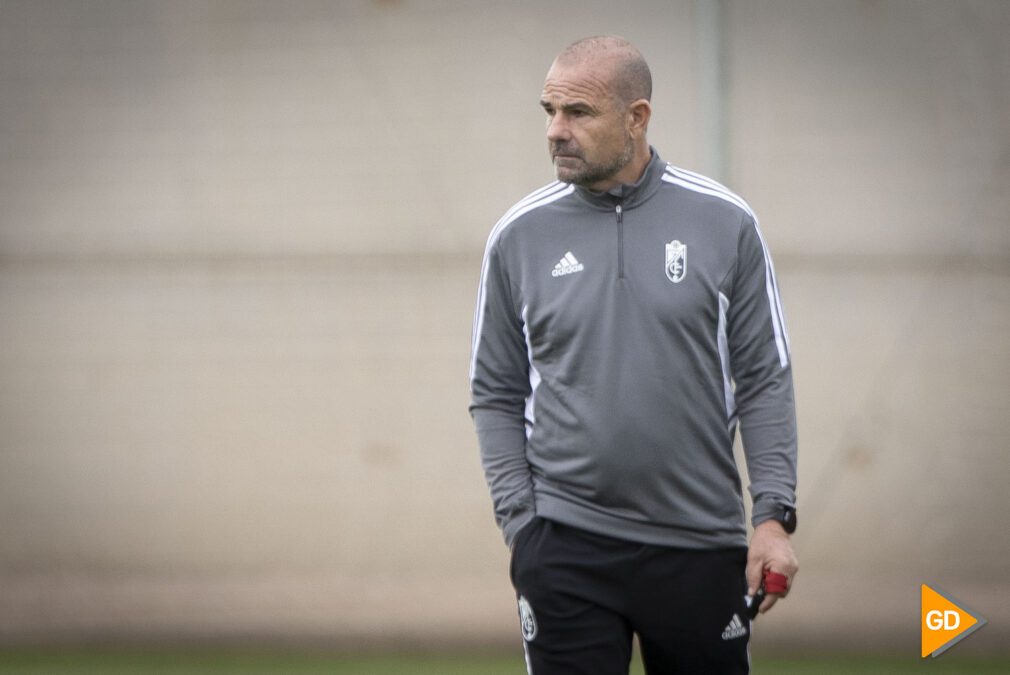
596 97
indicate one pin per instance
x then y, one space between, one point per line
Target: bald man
628 320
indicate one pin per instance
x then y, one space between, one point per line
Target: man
617 308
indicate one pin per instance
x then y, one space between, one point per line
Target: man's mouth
561 152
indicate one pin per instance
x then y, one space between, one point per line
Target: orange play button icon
944 623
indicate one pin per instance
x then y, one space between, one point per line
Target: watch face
788 519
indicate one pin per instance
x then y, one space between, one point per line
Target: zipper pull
620 242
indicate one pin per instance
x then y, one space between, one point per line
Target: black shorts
582 596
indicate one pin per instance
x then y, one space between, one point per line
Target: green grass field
218 662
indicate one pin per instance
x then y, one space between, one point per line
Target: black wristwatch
786 516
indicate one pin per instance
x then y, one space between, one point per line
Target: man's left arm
761 367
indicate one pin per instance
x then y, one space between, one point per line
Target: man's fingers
769 602
755 570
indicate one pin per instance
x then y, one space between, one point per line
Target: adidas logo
568 265
735 629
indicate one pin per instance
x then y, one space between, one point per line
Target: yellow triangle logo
944 623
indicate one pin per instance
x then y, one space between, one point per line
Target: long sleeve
761 367
499 388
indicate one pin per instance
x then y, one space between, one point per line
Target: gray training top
609 332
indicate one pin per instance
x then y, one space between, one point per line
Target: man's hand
770 550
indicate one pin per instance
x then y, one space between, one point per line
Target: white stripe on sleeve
723 343
531 418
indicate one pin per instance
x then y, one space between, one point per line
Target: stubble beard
591 174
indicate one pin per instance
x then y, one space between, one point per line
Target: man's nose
557 129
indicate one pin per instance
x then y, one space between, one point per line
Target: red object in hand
775 582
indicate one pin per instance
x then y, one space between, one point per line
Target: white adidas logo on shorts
735 629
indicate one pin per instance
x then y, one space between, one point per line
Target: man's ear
639 114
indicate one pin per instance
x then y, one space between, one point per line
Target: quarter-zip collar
628 196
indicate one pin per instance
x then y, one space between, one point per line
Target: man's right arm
499 387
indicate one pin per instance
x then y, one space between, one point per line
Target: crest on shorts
676 261
527 620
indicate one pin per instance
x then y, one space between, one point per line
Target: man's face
587 133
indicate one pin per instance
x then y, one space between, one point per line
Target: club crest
527 620
676 261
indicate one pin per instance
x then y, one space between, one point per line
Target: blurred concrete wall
239 244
